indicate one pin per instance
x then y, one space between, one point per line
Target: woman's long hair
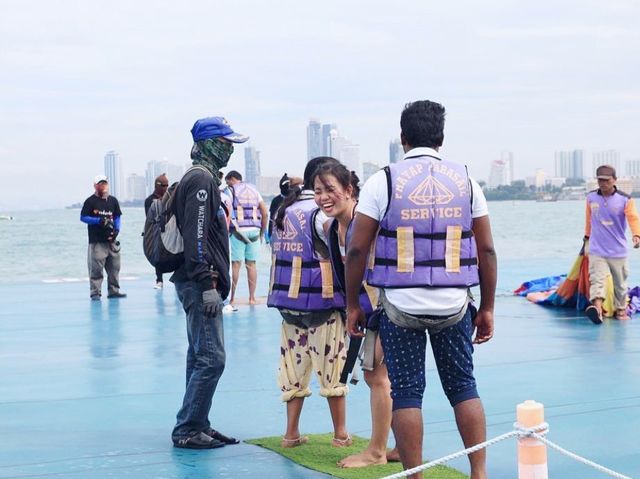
294 194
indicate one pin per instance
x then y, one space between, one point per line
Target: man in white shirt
433 241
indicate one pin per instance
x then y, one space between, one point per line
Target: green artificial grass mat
318 454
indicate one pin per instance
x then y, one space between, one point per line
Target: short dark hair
233 174
610 169
422 124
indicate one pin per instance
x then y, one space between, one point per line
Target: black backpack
162 240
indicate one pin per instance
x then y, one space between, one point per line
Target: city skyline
568 165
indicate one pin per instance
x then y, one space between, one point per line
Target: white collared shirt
373 201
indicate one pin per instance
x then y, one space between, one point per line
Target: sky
80 78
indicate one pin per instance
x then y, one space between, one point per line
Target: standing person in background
433 242
247 231
202 281
336 194
608 212
286 184
101 212
313 336
160 188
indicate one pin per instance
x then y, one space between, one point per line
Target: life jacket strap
433 263
430 236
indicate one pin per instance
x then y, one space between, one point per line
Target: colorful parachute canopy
572 292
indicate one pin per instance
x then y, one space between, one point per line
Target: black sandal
198 441
593 314
221 437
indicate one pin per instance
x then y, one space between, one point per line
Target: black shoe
593 314
221 437
117 295
199 441
95 297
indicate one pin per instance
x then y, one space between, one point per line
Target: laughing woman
336 193
313 334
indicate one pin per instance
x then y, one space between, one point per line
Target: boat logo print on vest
289 231
430 192
246 195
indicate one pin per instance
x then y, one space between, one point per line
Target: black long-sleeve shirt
205 234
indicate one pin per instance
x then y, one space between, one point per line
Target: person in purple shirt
608 212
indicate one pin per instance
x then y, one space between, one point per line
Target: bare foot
393 455
364 459
252 302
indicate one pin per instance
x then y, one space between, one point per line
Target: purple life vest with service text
301 279
425 237
246 205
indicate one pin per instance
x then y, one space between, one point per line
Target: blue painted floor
91 389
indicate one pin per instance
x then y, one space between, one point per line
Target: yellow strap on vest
240 213
406 255
255 213
372 255
373 294
327 279
296 272
452 249
272 277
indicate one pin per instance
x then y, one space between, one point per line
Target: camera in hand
107 224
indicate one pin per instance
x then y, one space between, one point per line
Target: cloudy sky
79 78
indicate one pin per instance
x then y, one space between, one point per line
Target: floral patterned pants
320 350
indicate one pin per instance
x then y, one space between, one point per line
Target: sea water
532 239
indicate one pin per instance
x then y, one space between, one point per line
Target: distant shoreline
136 203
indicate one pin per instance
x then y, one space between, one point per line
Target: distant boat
547 197
6 217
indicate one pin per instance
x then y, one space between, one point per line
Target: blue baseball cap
216 127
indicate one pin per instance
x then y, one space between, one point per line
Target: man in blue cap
202 281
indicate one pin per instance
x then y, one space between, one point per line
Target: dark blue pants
404 354
205 362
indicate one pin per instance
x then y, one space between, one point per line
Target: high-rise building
268 185
349 155
115 175
499 174
251 165
156 168
507 157
136 188
606 157
368 170
396 152
314 139
569 164
632 168
326 138
537 180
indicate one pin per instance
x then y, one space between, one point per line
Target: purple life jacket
246 205
425 237
301 279
368 295
608 224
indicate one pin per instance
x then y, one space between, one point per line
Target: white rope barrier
537 433
581 459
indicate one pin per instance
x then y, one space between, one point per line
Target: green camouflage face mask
212 154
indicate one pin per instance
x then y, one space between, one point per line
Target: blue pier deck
91 389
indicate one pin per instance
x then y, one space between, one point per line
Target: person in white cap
101 212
